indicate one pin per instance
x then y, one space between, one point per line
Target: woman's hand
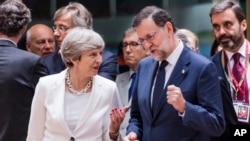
116 118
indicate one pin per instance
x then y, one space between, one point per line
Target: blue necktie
132 77
159 86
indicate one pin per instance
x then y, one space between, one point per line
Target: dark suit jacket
19 74
107 69
229 112
198 80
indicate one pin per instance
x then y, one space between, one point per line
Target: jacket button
72 139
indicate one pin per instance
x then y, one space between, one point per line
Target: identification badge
242 111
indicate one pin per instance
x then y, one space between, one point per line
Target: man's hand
175 98
130 137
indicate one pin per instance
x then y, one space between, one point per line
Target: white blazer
123 84
47 121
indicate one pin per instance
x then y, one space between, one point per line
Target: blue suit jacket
107 69
198 80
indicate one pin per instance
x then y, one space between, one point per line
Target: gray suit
122 82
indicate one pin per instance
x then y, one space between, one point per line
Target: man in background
19 72
40 40
229 24
189 38
133 52
65 18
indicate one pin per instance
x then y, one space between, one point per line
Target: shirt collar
174 56
131 72
241 51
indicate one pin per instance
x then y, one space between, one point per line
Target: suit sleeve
135 121
109 66
38 113
207 115
39 70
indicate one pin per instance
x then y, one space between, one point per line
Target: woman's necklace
75 92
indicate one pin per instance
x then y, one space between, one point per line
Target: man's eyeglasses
130 44
149 37
60 28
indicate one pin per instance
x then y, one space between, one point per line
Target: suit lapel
147 83
218 62
123 86
179 72
95 98
217 59
58 96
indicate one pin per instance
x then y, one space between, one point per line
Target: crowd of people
66 87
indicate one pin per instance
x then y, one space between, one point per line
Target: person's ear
243 25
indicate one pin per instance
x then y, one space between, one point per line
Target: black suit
19 73
229 112
107 69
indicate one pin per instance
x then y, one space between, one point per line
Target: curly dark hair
14 16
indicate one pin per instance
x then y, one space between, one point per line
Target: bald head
40 40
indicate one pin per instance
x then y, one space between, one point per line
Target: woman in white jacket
76 103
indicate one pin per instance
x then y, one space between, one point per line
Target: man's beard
233 41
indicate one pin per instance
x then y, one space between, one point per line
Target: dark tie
132 85
238 71
159 86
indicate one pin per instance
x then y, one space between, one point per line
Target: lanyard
230 77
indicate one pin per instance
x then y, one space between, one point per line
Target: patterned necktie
132 85
238 71
159 85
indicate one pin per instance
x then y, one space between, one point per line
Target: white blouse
73 108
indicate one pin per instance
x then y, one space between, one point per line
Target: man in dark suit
65 18
40 40
19 72
180 100
229 23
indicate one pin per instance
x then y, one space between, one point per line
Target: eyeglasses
130 44
149 38
60 28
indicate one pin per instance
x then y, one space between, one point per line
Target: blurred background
112 17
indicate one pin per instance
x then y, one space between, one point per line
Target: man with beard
229 23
